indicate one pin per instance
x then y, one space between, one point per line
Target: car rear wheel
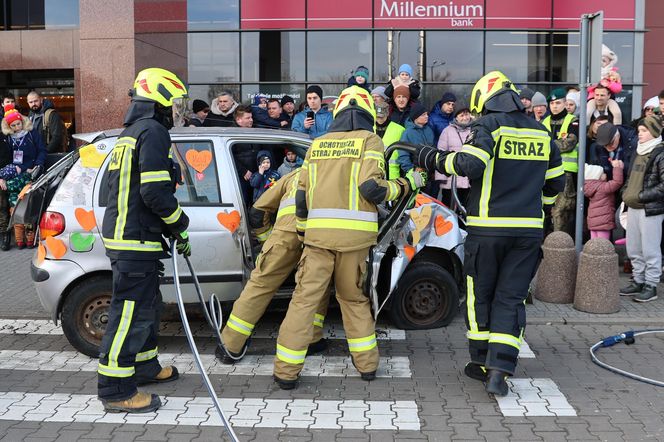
85 314
427 297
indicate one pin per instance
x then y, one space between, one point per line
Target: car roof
91 137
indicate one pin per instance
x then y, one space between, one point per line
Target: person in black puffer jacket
644 197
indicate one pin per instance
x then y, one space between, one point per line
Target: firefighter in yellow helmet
141 210
281 252
341 181
515 169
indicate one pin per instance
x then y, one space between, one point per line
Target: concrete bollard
556 276
597 285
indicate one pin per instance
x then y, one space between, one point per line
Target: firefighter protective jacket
514 168
340 183
279 199
141 205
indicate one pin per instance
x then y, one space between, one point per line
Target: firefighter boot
167 374
496 383
475 371
227 357
139 403
19 235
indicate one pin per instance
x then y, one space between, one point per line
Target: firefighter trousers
315 270
498 272
276 261
129 348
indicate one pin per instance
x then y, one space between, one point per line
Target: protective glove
427 157
182 244
416 179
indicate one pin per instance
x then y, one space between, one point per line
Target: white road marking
250 365
526 352
534 397
46 327
259 413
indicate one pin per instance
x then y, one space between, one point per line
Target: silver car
415 271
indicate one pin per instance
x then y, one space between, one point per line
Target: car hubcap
424 303
94 318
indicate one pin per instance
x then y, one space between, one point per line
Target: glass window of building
213 57
333 56
453 56
213 15
273 56
61 14
521 55
404 48
622 44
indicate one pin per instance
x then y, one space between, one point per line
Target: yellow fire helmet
486 87
159 85
355 96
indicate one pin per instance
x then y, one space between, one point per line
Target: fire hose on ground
628 337
213 315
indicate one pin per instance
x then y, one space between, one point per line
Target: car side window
199 173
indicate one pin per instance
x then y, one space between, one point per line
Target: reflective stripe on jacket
570 159
141 205
513 166
341 182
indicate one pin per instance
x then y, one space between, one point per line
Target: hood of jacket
139 110
27 125
352 119
214 108
265 153
505 101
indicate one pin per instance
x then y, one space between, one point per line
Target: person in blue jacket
442 115
417 132
314 120
266 176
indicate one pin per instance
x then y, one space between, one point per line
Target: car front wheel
85 314
426 297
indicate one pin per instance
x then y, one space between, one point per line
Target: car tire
426 297
85 314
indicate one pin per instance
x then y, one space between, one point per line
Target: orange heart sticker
86 218
56 247
442 225
199 160
41 253
409 251
229 220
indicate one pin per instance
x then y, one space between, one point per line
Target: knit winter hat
406 68
199 105
538 99
447 97
287 99
416 110
575 97
258 97
315 89
262 158
382 110
592 172
527 93
652 102
362 71
11 114
380 90
401 90
557 94
653 124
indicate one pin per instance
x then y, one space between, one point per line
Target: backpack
64 144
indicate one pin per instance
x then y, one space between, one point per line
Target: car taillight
51 224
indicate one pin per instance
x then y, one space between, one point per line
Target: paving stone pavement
557 393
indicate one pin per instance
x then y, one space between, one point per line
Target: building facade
90 50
